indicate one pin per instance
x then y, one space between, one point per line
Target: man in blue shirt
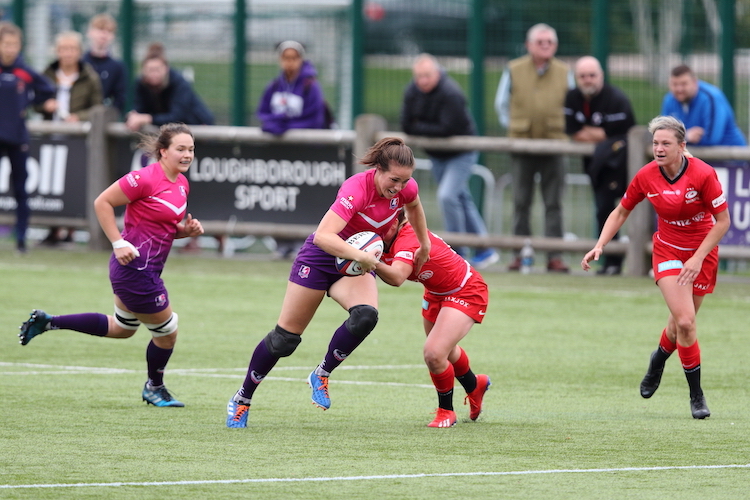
703 109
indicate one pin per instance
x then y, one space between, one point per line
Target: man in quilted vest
529 103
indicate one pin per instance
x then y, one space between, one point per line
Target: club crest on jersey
182 192
425 275
304 272
691 195
394 203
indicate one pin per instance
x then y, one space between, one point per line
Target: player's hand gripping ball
366 241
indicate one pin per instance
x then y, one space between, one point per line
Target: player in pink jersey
455 297
692 219
155 200
367 201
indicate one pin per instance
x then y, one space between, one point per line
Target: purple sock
156 361
341 346
91 323
261 364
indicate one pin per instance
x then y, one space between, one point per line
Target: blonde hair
668 123
103 21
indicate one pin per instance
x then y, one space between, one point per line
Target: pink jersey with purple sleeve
156 206
363 209
445 272
684 205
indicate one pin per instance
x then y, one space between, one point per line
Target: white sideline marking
369 478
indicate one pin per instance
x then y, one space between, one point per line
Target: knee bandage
126 319
163 329
281 343
362 320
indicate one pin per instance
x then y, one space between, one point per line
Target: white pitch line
370 478
209 373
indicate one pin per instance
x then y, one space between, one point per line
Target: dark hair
682 69
155 51
153 144
387 150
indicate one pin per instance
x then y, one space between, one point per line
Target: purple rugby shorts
142 292
313 268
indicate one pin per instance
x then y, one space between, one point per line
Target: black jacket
439 113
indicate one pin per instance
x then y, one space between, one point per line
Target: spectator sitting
293 99
112 72
78 91
162 96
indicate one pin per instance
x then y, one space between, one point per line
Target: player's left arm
191 227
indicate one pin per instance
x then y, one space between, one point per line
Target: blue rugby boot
237 414
160 396
319 386
37 324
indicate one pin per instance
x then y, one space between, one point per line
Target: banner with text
56 182
292 184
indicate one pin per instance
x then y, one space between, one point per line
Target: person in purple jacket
20 87
293 99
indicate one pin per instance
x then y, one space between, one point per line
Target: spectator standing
434 106
162 95
294 98
20 87
113 73
703 109
600 113
529 103
78 91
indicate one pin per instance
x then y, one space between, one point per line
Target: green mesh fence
645 39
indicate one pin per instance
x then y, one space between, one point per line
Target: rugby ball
366 241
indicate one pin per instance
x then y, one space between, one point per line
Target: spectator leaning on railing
600 113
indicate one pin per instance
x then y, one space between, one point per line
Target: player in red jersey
455 297
366 201
692 219
155 200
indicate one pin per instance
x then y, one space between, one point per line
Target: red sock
666 345
690 355
443 381
461 366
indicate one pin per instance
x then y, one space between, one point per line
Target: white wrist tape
122 243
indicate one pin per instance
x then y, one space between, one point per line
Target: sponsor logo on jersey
304 272
668 264
404 254
132 179
456 300
347 202
718 201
